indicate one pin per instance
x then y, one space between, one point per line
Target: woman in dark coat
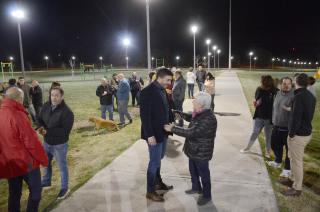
199 144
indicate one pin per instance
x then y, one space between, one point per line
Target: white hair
204 99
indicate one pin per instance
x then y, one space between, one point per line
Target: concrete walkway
240 182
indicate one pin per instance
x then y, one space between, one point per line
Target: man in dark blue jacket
155 113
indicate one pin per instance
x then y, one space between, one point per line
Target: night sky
90 28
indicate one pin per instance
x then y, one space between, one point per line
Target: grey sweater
280 116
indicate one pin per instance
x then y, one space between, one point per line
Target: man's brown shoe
291 192
163 187
286 182
154 197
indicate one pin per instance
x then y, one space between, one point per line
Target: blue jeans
201 86
258 125
156 153
104 109
33 180
59 152
190 90
200 169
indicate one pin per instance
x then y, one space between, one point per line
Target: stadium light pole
214 48
152 59
19 15
11 58
254 63
101 59
272 62
148 34
208 42
46 58
250 55
230 16
126 43
194 30
218 51
177 59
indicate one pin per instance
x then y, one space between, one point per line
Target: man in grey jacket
178 93
280 120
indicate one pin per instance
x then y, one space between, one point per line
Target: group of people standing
22 152
285 114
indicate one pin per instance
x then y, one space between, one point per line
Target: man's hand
152 141
168 127
42 131
104 93
286 108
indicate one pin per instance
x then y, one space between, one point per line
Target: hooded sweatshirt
280 116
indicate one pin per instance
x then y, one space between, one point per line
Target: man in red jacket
21 152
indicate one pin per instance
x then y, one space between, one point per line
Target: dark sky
90 28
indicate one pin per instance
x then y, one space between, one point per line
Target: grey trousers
123 110
258 125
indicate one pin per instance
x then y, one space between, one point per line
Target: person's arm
31 142
141 81
98 92
198 129
296 116
146 114
66 126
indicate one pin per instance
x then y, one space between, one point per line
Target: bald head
15 94
120 76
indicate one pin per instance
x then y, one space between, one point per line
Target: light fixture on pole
208 42
230 19
218 51
19 15
254 63
101 59
148 34
177 59
126 43
194 30
250 56
284 62
10 58
46 58
214 48
152 59
272 62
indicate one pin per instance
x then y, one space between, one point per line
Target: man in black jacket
55 122
178 92
105 92
199 144
155 113
36 97
300 133
136 84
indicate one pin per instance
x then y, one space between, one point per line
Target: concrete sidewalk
240 182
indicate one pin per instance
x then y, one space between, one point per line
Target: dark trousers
135 96
190 90
200 169
37 109
278 141
33 180
212 102
156 153
178 105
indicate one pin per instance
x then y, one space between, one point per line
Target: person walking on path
280 120
55 124
199 144
136 84
105 92
201 78
178 93
123 99
155 113
21 152
191 80
36 97
210 88
263 103
300 133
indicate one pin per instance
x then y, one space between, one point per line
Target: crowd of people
284 111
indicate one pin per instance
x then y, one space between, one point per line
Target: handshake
42 131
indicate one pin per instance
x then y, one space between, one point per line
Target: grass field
310 199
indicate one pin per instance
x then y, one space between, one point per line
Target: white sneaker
274 164
285 173
245 150
267 155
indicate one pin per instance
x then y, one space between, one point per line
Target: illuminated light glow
208 41
194 29
18 13
215 48
250 53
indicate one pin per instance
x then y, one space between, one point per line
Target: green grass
310 199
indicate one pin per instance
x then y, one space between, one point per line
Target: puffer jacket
200 135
